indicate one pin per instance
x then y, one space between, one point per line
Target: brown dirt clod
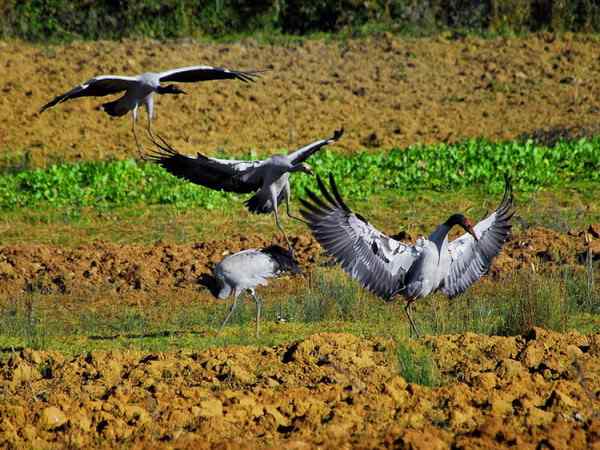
332 390
117 268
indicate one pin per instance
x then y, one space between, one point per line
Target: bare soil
386 92
166 267
327 391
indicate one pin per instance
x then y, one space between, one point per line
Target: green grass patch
559 301
571 207
416 364
331 302
438 167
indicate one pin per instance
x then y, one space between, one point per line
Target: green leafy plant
440 167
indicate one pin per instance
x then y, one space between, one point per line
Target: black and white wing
471 259
193 74
302 154
96 87
377 261
213 173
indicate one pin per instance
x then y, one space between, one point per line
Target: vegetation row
59 20
434 167
558 301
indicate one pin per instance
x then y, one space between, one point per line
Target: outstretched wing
96 87
471 259
218 174
377 261
192 74
302 154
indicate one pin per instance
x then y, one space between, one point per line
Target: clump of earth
539 390
164 267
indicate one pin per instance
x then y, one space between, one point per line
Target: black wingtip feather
319 205
163 153
249 76
336 193
326 194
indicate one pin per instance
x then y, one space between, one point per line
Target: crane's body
245 270
388 267
269 179
139 94
139 90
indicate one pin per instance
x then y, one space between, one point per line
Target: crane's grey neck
441 232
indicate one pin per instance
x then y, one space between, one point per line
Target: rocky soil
384 90
540 390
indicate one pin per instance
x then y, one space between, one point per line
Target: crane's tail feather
115 108
260 203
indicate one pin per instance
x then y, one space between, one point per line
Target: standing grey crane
140 89
387 267
245 270
269 178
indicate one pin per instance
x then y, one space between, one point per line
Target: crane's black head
462 221
169 89
209 282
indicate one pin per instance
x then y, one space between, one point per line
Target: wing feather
212 173
193 74
472 259
303 153
95 87
377 261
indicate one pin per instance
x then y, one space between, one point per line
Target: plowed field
385 91
168 267
327 391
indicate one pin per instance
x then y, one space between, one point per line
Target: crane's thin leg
137 142
236 297
413 327
150 128
274 200
258 309
287 207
